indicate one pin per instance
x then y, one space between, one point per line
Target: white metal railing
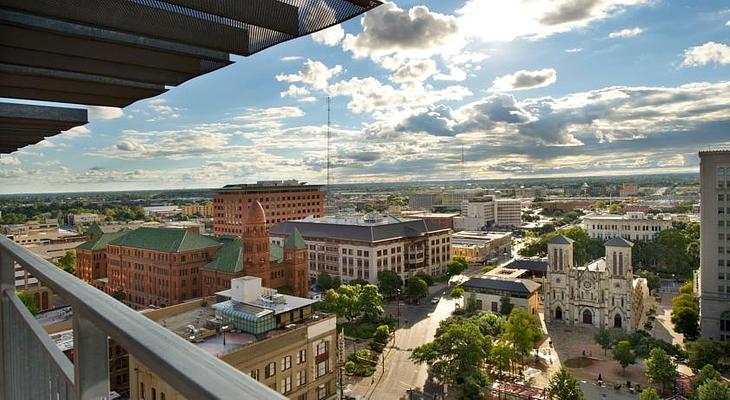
32 367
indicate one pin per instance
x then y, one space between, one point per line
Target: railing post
7 287
91 360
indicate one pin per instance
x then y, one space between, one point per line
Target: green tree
426 278
67 262
603 339
614 208
714 390
371 302
706 373
652 279
502 355
686 321
489 323
345 301
389 282
523 330
29 301
687 288
324 281
585 248
660 368
563 386
505 305
623 354
705 351
456 354
416 288
457 292
457 265
649 394
382 333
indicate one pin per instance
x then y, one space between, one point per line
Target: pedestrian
584 353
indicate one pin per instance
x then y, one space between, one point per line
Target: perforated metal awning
115 52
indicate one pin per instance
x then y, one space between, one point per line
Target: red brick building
282 267
281 200
162 267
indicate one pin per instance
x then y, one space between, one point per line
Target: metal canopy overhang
22 124
116 52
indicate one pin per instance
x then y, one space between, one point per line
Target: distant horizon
415 182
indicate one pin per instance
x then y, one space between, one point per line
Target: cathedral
602 293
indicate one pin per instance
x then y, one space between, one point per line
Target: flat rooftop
356 220
506 273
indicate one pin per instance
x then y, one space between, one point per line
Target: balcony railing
32 367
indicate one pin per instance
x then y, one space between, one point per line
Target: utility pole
329 176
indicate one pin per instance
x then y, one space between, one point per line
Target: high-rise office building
282 201
714 287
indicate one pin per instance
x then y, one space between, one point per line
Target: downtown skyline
527 89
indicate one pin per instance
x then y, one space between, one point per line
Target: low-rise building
32 232
424 201
481 246
443 220
84 218
359 247
162 211
629 189
635 226
488 291
508 212
203 210
277 339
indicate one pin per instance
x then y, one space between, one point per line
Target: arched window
555 259
614 263
562 266
617 321
621 263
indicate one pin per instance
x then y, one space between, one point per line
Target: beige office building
277 339
636 226
714 276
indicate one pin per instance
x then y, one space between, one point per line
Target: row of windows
275 198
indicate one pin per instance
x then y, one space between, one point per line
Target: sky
521 88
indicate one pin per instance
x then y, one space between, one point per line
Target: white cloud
313 73
291 58
330 36
416 70
455 74
523 80
624 33
159 110
100 112
707 53
507 20
389 29
727 23
44 144
77 131
7 160
574 50
294 91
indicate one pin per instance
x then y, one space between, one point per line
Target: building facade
489 291
85 219
161 267
635 226
282 201
361 247
277 339
32 232
714 289
508 212
481 246
601 293
204 209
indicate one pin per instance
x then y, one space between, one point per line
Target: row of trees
673 251
462 346
686 312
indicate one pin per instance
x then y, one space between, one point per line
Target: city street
418 326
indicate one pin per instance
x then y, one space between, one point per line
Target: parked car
435 300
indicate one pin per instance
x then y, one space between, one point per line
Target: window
321 348
270 370
286 385
322 392
141 391
255 374
301 356
321 368
285 363
302 377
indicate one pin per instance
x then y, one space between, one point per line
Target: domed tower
295 255
256 244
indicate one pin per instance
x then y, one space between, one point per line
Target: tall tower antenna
329 176
463 171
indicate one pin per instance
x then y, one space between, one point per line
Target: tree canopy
585 248
505 305
603 339
326 282
623 354
354 301
660 368
523 330
416 288
713 390
389 282
67 262
649 394
563 386
457 265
